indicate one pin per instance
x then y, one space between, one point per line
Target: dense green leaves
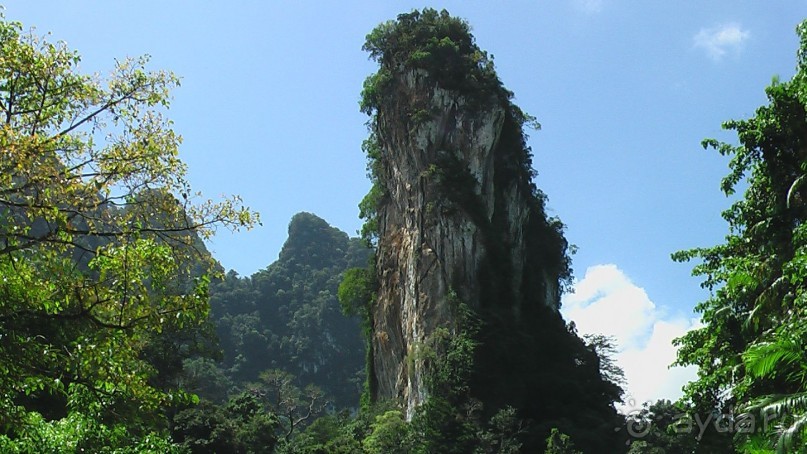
357 293
288 353
559 443
662 428
433 41
242 425
287 317
99 244
750 349
79 433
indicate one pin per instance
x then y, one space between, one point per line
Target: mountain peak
313 241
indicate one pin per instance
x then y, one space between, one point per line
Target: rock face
469 268
459 217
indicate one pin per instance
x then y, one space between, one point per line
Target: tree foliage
606 349
242 425
98 226
559 443
662 428
356 294
288 317
433 41
750 350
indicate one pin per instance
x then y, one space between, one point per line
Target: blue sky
624 90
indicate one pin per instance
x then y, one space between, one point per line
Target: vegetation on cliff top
443 47
435 42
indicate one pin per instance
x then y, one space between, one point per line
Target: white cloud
717 41
606 302
589 6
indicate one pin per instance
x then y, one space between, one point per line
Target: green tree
502 435
662 427
559 443
750 348
389 434
287 316
97 225
82 432
293 406
242 425
204 428
356 294
606 349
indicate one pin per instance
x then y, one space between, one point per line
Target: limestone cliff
459 222
457 219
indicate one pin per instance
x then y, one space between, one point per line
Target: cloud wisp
606 302
589 6
720 40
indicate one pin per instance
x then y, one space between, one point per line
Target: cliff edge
469 267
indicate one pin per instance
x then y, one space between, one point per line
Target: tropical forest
441 325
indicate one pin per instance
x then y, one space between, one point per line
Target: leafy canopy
750 348
429 40
98 226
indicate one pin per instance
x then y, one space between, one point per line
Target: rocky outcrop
455 226
468 267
